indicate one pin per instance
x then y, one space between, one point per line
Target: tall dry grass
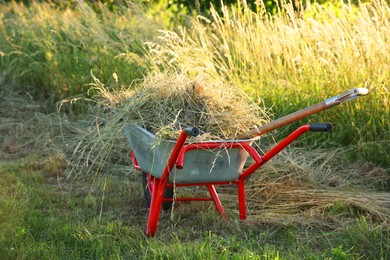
293 60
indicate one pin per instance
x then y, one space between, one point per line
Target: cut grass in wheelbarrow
163 104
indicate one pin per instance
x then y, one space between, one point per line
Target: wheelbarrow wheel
147 184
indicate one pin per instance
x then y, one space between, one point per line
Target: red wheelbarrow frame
158 185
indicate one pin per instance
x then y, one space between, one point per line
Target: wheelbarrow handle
191 131
321 127
346 96
328 103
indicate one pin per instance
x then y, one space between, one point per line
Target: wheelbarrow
167 164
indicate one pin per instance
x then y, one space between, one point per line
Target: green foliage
359 238
52 53
179 8
13 200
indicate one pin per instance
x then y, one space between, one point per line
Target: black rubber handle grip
192 131
321 127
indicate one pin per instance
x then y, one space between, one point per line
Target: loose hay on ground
316 188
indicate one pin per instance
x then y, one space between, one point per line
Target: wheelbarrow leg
160 184
155 207
241 199
217 202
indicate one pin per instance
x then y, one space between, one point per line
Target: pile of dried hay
290 203
165 103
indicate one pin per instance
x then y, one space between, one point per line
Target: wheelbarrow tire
168 193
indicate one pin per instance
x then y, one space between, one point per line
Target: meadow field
67 187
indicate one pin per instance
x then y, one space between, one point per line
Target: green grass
52 53
57 218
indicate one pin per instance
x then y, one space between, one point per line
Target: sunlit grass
53 52
293 60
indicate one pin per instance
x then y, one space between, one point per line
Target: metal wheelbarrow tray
167 164
201 165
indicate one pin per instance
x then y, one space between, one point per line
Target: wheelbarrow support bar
331 102
159 184
269 155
